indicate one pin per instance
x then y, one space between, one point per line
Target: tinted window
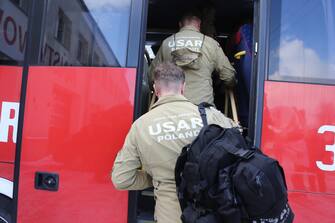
13 31
84 33
302 41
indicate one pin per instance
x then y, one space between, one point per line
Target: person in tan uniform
155 140
199 56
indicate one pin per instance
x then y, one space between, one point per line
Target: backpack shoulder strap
237 145
238 152
202 110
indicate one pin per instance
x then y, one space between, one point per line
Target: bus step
147 193
145 217
145 221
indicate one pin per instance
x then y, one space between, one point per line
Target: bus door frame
135 58
259 69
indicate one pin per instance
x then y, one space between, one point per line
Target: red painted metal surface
10 88
294 122
312 207
7 170
76 119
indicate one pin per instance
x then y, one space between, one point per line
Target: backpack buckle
246 154
198 209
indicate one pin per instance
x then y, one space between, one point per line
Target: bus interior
230 22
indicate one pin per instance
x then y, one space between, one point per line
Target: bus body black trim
32 7
257 102
254 68
135 58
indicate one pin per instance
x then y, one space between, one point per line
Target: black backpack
220 178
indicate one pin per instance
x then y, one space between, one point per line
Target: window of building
302 41
64 28
96 59
82 52
13 32
76 29
23 4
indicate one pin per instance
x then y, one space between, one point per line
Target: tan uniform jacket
151 149
199 86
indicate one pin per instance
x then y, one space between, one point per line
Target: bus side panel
76 119
299 130
10 88
7 171
312 207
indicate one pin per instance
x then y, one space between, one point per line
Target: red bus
73 77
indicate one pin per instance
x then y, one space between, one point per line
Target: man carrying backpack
199 56
155 140
220 178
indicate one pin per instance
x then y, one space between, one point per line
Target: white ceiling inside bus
164 14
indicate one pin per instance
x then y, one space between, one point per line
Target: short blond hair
168 73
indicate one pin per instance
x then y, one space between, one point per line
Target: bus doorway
230 22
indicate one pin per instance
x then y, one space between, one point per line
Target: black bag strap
238 152
180 163
202 110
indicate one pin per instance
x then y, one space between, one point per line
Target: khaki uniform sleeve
224 68
158 59
214 116
126 173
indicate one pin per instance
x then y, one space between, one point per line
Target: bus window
13 31
84 33
301 52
